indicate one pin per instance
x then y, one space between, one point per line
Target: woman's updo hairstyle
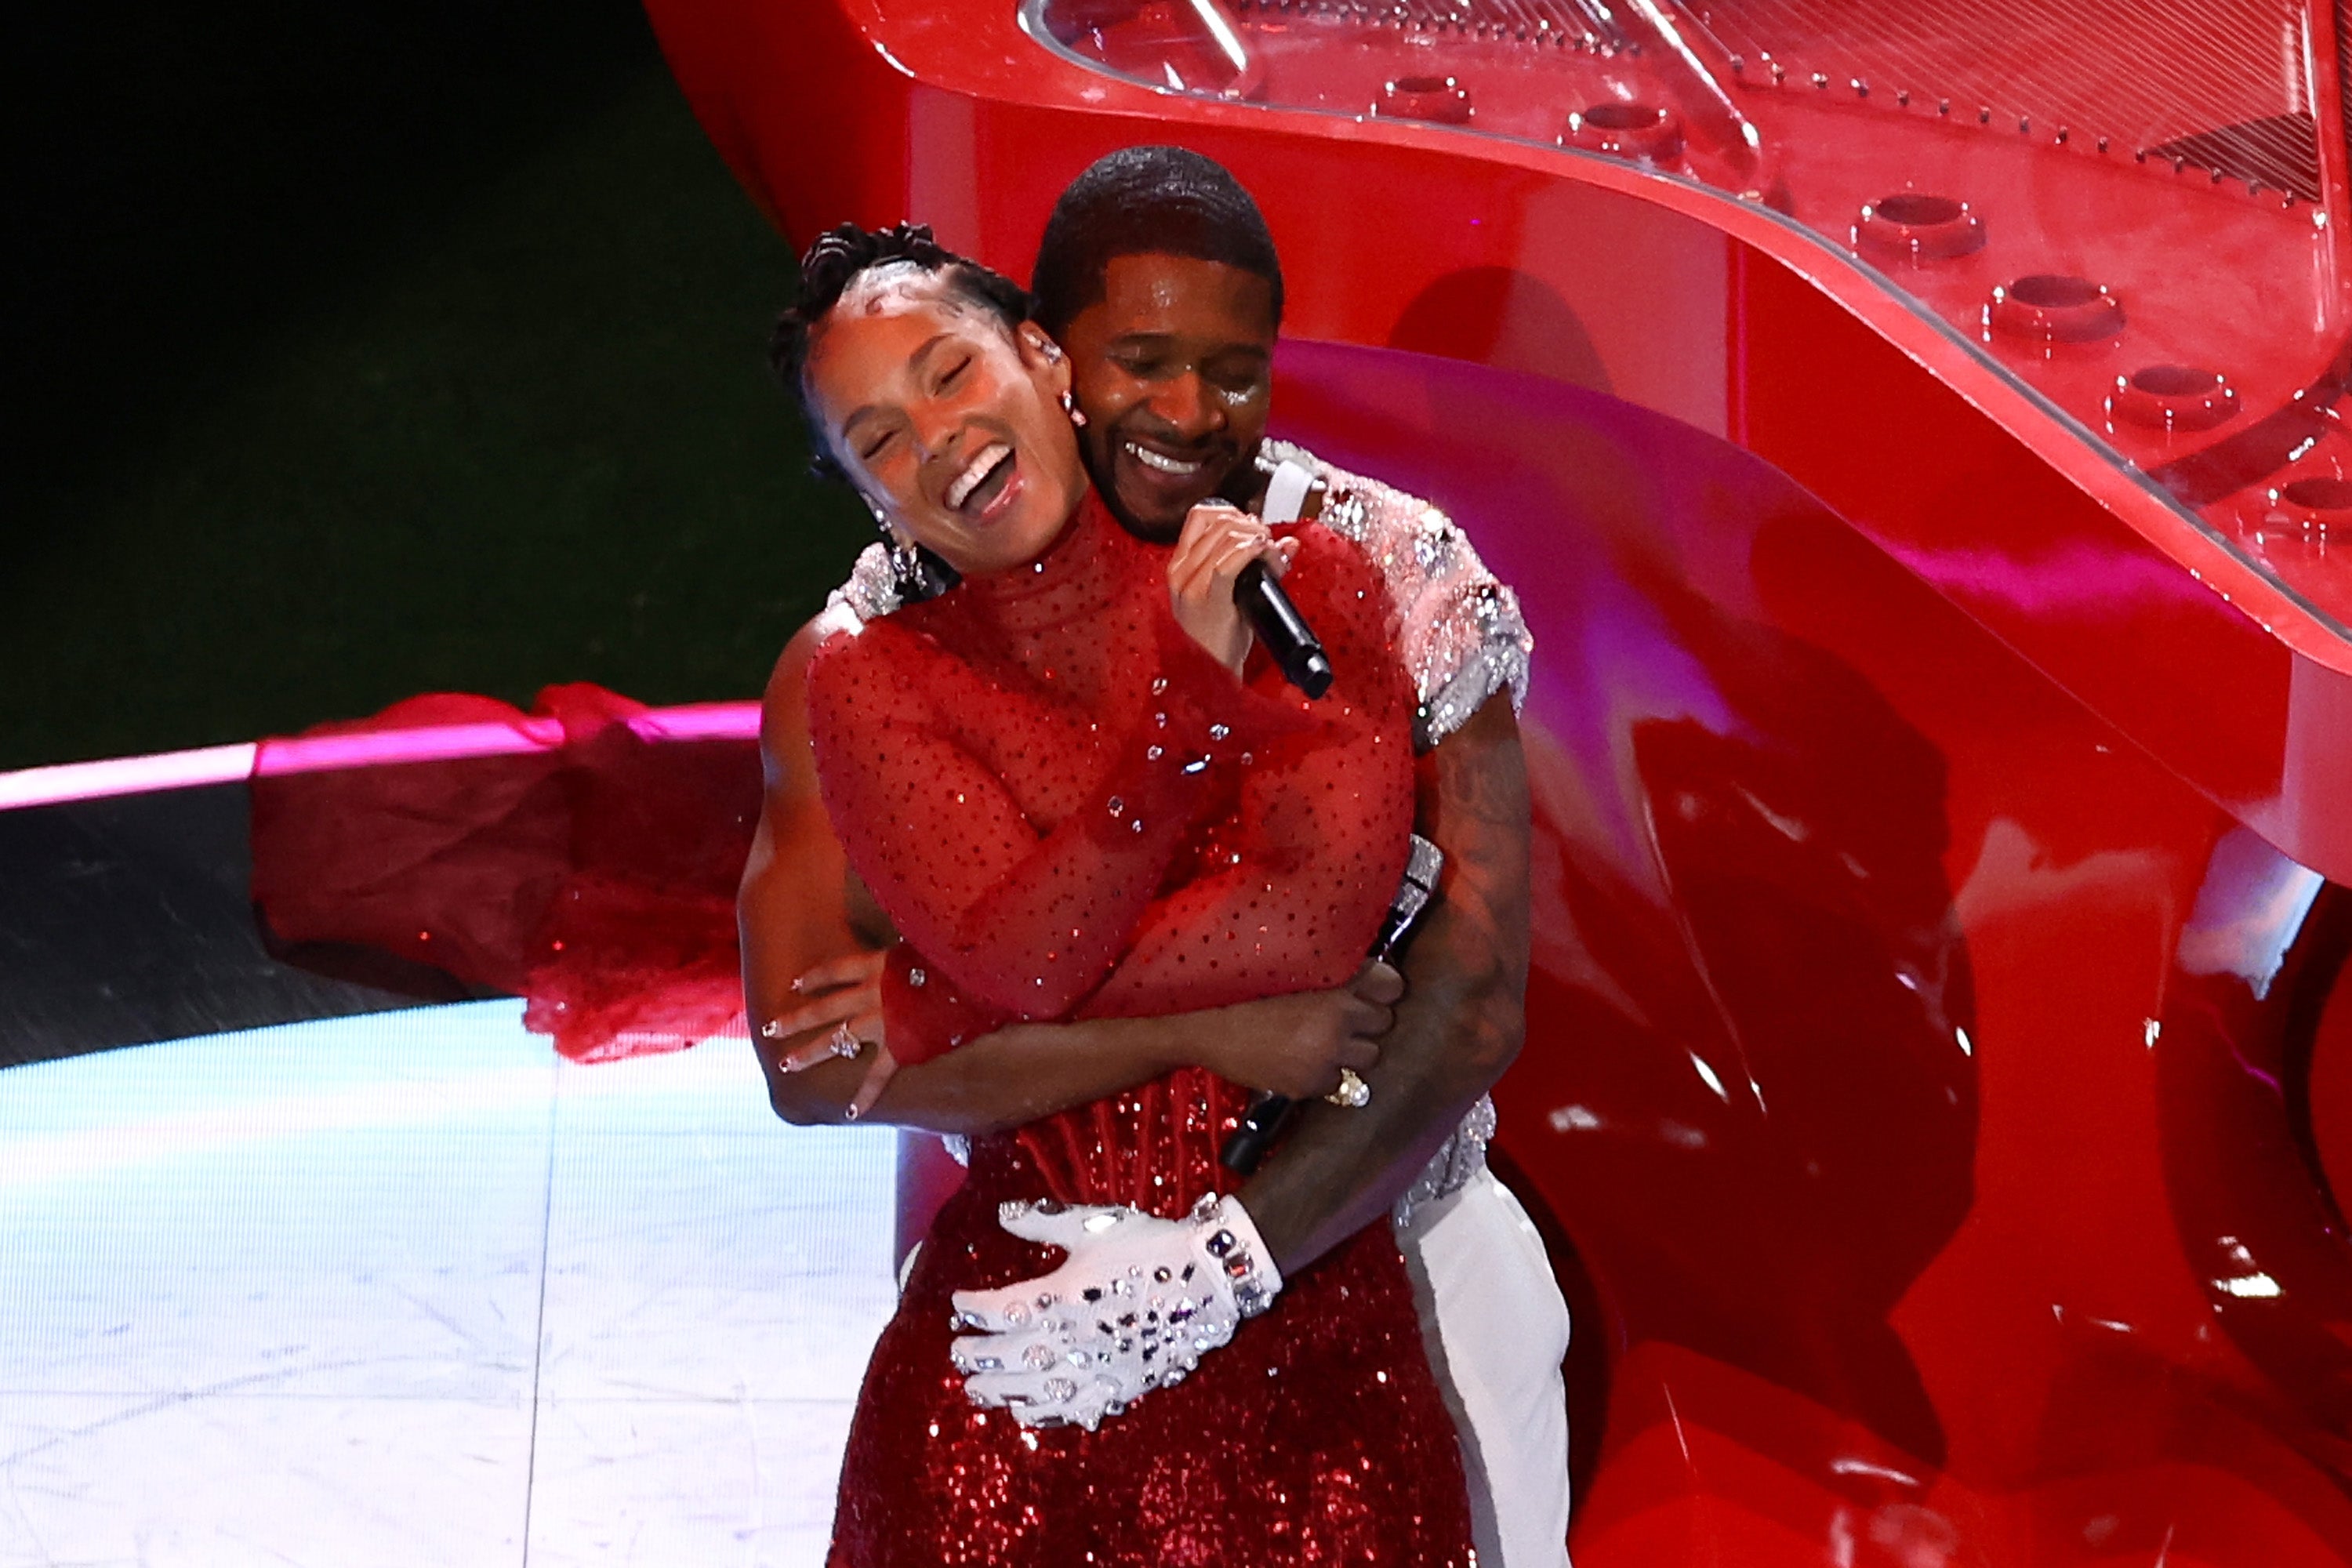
832 263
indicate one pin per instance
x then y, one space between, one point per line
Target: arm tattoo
1459 1024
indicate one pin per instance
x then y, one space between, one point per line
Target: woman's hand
1218 541
1296 1045
841 1018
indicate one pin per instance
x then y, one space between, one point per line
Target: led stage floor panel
403 1288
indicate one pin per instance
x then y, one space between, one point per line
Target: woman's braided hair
832 263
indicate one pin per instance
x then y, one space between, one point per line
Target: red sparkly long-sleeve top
1069 809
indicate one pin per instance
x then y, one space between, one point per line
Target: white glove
1134 1307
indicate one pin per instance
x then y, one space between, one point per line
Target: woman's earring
901 550
1070 406
918 573
904 564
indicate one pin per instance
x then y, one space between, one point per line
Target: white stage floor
406 1289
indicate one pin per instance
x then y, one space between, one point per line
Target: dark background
361 349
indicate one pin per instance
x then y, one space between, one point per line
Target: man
1159 278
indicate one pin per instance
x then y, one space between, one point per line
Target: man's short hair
1147 201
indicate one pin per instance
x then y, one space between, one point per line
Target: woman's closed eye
953 374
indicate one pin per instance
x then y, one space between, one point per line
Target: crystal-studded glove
1136 1304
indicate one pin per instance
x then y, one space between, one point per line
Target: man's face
1173 369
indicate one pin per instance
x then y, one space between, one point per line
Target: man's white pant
1497 1328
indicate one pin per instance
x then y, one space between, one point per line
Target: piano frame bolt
1916 226
2103 143
1740 65
1943 106
1641 131
1779 73
1903 98
2055 307
2024 126
1432 99
1861 88
2062 134
2318 503
1821 80
1984 115
2171 397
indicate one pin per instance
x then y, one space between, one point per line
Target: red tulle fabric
594 876
1069 809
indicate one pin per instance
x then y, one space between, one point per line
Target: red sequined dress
1070 810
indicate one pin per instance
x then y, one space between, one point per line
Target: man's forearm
1337 1170
1459 1025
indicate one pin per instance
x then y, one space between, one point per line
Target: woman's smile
986 485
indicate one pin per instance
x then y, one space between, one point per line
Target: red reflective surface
1864 1077
1676 296
1938 1051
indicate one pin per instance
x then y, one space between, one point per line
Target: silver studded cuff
1461 1157
1227 1241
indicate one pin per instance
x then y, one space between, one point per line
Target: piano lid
2136 213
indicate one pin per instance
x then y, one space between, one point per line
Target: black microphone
1267 1114
1284 631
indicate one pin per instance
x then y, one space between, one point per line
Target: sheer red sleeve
1019 920
925 1013
1291 894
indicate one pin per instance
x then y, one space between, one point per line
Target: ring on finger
1353 1092
845 1042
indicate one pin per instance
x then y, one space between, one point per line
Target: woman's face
948 421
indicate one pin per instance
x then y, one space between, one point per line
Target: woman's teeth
961 489
1162 462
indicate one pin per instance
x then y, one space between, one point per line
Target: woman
1076 793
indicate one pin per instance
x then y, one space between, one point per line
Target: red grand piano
1914 434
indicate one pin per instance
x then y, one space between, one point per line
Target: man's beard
1235 483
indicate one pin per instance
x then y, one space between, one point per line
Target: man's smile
1166 463
1157 480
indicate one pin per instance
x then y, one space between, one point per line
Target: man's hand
1136 1304
1296 1045
841 1018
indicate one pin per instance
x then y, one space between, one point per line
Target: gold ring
1353 1092
845 1043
